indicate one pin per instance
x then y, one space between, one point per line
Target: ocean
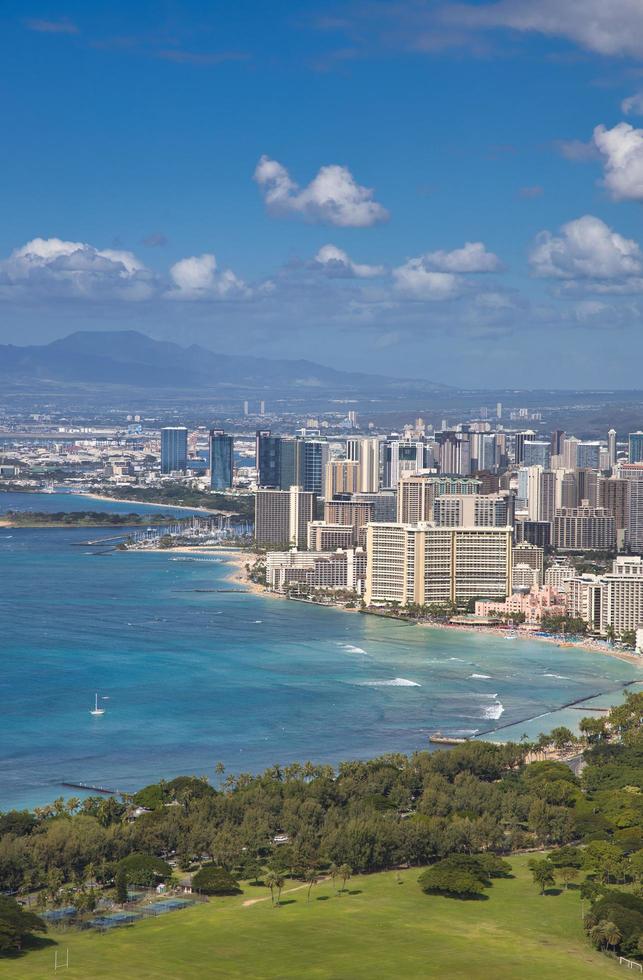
192 672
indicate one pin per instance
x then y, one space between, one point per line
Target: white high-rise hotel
423 564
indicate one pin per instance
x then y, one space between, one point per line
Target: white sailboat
96 710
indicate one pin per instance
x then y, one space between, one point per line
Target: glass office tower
221 460
174 448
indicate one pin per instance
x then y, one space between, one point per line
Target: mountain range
131 358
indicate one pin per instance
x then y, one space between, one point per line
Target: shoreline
240 576
149 503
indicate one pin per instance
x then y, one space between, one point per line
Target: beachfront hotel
424 564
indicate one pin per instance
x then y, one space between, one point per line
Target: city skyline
452 186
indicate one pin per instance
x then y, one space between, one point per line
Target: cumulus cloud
74 269
586 249
198 277
441 275
332 197
608 27
472 257
415 281
622 150
335 262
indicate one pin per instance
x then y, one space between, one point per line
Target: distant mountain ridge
127 357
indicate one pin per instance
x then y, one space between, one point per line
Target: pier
93 789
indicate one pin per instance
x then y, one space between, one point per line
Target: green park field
383 926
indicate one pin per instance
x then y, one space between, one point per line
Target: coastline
240 577
149 503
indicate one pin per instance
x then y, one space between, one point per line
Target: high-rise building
327 537
423 564
611 448
570 452
473 510
454 452
417 491
541 493
384 504
221 460
587 483
531 555
613 494
535 532
536 453
588 455
282 517
584 529
268 456
556 442
520 438
633 473
367 453
342 476
314 456
401 457
635 442
174 449
349 511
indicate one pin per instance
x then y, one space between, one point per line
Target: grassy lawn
381 929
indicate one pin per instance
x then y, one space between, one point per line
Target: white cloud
440 275
472 257
415 281
332 197
74 269
622 149
608 27
198 277
586 249
633 105
335 262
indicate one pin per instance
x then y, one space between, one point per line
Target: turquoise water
192 677
52 503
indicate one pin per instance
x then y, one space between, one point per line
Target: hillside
133 359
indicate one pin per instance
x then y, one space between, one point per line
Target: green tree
120 885
212 879
567 875
542 872
312 878
16 925
345 873
274 881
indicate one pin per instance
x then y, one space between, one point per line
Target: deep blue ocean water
191 678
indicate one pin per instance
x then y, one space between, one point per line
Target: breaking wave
558 677
480 677
396 682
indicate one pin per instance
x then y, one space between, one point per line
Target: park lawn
382 928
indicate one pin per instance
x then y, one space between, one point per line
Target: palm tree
72 805
597 935
611 933
271 880
345 872
312 879
333 873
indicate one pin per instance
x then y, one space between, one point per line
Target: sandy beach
148 503
240 559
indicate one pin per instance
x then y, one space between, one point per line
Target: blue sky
427 188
